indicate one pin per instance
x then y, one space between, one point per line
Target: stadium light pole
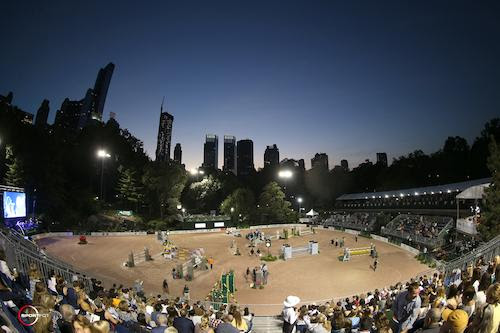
102 154
299 200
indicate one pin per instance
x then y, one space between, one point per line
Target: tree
241 201
490 222
274 207
14 176
128 187
203 196
164 182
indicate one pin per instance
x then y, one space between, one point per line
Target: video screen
14 204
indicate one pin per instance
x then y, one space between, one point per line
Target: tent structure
476 193
312 213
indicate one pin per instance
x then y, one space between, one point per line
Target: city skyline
309 79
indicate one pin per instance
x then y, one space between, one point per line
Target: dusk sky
348 78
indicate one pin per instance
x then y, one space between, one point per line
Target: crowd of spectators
358 221
66 307
467 301
420 228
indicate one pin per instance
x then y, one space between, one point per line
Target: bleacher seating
425 230
356 221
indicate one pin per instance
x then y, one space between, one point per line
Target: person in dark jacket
184 324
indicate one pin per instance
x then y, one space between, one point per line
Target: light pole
102 154
299 200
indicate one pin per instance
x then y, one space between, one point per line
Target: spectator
289 313
162 321
487 319
101 326
183 324
405 309
239 322
455 321
226 326
432 321
203 326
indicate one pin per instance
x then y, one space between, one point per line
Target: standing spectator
289 313
487 318
302 320
186 292
184 324
405 309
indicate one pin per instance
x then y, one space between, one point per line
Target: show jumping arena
314 278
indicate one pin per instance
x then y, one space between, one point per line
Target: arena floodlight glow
286 174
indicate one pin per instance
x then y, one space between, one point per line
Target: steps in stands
267 325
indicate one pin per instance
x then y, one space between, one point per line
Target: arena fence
486 251
23 254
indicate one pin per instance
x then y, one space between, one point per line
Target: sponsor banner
410 249
352 232
218 224
200 225
380 238
467 226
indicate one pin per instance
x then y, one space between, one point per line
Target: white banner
352 232
200 225
467 226
218 224
380 238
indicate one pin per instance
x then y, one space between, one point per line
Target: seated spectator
203 326
226 326
65 323
101 326
239 322
162 321
455 321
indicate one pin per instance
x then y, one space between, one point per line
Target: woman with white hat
290 314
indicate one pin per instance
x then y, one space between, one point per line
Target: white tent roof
473 192
312 213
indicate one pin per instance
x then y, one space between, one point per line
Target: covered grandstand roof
438 189
473 192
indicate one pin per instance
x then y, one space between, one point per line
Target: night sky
348 78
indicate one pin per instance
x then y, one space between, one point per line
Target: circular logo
28 315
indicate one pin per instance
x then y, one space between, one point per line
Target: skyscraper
382 159
320 161
345 165
42 114
211 152
271 156
75 115
229 153
101 87
244 152
178 153
71 115
164 136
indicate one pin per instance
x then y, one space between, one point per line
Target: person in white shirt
289 314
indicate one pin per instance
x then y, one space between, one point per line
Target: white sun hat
291 301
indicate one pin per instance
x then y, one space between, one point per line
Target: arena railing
21 255
487 251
